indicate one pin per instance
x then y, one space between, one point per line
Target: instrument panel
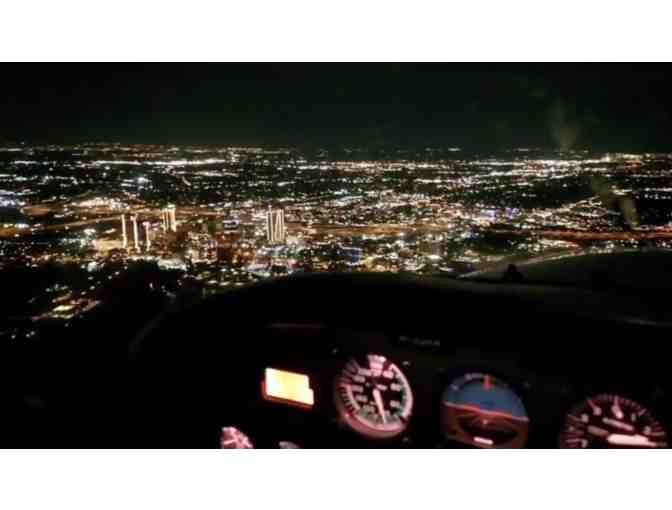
374 389
480 410
612 421
373 397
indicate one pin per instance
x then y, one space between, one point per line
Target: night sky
602 106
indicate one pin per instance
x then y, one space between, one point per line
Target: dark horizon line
340 145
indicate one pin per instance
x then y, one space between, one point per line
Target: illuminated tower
136 239
148 242
124 236
280 226
275 226
172 221
164 218
269 225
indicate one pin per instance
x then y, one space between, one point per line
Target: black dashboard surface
200 370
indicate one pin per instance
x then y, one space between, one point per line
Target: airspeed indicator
373 397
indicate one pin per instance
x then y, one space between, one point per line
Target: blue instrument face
480 410
486 393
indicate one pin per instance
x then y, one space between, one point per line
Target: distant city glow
210 219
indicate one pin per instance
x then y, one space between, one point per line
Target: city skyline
208 218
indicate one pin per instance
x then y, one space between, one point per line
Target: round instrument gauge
232 438
373 397
480 410
611 421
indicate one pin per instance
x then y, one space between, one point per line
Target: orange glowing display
287 387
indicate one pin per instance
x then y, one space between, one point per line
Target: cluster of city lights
224 216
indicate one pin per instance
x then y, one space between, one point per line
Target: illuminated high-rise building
169 221
275 226
124 235
148 242
172 220
136 238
